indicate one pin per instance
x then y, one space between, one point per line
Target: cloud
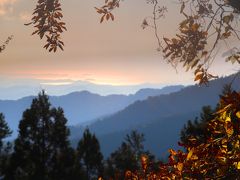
6 6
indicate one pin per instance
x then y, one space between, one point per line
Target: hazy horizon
113 53
15 89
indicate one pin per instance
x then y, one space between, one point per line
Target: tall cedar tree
4 147
89 155
128 157
42 149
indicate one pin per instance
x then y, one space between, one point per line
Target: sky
113 53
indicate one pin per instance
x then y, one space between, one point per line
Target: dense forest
42 149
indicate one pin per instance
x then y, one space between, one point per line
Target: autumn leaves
47 21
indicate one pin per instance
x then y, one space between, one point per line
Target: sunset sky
116 53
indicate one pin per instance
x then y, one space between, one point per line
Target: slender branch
155 24
3 47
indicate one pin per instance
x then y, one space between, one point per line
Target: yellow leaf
221 159
238 165
228 119
180 166
190 154
194 157
224 114
238 114
229 129
237 144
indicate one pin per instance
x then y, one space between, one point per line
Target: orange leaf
102 18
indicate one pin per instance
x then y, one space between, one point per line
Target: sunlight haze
113 53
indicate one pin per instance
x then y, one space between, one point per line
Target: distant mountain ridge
81 106
160 118
15 89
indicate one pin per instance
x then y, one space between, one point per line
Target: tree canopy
4 131
4 147
89 155
42 149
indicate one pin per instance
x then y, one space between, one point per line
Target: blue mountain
160 118
80 107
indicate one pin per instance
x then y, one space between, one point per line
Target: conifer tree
128 157
89 155
42 149
4 147
4 131
63 158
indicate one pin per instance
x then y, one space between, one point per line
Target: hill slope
81 106
160 117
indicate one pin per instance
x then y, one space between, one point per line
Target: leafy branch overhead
47 21
106 10
206 24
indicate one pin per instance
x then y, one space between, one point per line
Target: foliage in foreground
216 158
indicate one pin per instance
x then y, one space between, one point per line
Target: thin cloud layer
6 6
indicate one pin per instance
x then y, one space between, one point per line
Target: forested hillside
161 116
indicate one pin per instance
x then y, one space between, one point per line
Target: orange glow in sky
116 53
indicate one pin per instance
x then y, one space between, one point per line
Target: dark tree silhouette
42 149
4 147
129 156
135 141
120 161
63 158
197 129
4 131
89 155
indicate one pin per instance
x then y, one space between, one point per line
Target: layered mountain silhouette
80 107
160 118
158 113
15 89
